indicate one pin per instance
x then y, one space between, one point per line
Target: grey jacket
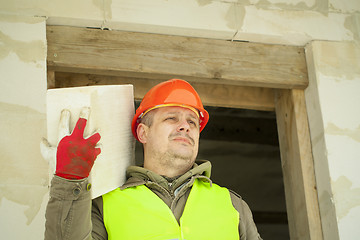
71 215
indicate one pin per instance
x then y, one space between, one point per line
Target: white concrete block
348 226
303 3
14 214
112 110
335 81
82 13
281 4
186 18
339 96
347 6
291 27
343 155
24 47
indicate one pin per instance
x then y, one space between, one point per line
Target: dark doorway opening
243 148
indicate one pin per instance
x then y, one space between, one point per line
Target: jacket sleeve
69 212
247 227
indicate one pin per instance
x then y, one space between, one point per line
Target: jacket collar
138 175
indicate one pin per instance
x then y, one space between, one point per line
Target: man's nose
183 126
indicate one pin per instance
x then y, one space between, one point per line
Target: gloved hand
75 155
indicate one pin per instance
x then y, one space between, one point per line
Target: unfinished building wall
24 179
334 117
23 173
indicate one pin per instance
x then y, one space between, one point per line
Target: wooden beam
161 57
211 94
298 167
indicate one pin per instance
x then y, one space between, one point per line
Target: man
170 197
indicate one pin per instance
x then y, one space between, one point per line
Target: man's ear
142 131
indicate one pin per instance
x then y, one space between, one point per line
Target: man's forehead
177 110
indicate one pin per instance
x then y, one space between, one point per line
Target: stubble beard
177 160
172 159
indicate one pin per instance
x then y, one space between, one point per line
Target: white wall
333 101
292 22
332 98
23 173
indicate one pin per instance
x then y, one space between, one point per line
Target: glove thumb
48 153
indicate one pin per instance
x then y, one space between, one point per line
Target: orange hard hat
174 92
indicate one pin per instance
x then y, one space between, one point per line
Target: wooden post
297 164
50 79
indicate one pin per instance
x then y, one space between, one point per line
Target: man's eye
193 123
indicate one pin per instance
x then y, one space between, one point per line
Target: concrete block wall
334 117
23 172
329 28
294 22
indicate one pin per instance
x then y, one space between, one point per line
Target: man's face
174 134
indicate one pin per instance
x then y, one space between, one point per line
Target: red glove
75 155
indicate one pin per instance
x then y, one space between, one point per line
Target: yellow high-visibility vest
136 213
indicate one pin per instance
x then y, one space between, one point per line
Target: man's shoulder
238 202
234 194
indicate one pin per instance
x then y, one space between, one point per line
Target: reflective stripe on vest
137 213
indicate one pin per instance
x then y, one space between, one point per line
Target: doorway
226 74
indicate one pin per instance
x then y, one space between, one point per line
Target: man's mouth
185 139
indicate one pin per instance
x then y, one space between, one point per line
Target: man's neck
167 164
163 171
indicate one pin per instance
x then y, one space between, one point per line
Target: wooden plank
161 57
298 167
50 79
211 94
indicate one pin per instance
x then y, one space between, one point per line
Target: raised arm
68 213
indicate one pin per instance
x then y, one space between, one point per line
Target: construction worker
170 197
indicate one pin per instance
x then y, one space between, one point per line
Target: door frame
225 73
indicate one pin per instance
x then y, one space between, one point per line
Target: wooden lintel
211 94
298 166
161 57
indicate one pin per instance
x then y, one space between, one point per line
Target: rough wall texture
24 173
23 177
332 100
294 22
